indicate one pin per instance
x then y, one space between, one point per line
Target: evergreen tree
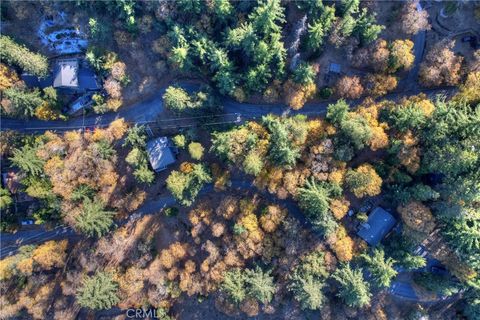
366 27
98 292
190 7
185 186
23 102
308 279
143 174
223 9
408 117
93 220
356 130
136 136
337 113
15 54
464 234
286 137
353 289
267 16
347 26
381 269
5 199
82 192
348 7
363 181
180 57
314 200
242 38
308 291
319 28
176 99
27 160
234 285
304 74
311 7
105 149
260 284
315 35
253 163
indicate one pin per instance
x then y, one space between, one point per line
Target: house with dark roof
70 75
160 153
378 225
75 76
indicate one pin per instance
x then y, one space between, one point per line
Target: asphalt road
11 242
16 240
149 111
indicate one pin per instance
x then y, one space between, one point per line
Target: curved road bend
400 289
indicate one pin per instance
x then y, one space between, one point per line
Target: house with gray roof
160 153
69 76
378 225
75 76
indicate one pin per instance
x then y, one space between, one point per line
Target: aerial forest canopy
239 159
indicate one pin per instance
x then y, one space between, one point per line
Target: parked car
82 103
27 222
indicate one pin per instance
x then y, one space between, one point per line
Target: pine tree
30 62
176 99
93 220
353 289
304 74
143 174
27 160
381 269
136 136
234 285
260 284
98 292
267 16
5 199
23 102
314 200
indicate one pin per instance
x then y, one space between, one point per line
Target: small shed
160 153
378 225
